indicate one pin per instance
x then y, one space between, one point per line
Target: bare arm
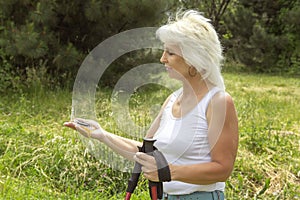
121 145
124 146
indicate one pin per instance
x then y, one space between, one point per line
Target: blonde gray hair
199 44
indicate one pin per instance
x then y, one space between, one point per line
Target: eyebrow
169 49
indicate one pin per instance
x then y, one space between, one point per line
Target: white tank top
184 141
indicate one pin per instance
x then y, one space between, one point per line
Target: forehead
172 47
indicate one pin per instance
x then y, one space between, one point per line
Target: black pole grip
148 145
149 148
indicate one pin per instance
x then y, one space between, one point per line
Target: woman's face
174 63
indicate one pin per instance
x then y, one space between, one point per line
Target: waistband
214 195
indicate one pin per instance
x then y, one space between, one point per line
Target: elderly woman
197 127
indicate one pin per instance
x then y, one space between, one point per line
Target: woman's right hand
86 127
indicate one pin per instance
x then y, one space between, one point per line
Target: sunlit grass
40 159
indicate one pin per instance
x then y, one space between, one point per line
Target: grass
267 166
40 159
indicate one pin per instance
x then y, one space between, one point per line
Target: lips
168 68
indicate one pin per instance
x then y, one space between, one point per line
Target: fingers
143 159
149 167
80 119
148 162
152 176
94 124
70 125
90 122
92 129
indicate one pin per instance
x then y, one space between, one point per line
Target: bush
62 33
264 35
9 79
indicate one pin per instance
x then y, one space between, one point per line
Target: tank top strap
207 98
203 103
174 96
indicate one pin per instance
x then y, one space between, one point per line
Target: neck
193 91
195 87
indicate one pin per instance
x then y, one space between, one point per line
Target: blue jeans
215 195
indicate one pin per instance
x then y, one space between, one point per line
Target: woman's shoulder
222 96
222 99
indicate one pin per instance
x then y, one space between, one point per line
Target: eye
170 53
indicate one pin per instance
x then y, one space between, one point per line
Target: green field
41 159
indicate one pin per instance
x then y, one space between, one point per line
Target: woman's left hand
149 166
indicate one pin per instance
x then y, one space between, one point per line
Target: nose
163 58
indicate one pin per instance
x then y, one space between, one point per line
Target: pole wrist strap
163 169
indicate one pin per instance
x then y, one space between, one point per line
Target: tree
260 36
212 9
60 33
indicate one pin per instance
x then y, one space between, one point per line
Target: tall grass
40 159
268 162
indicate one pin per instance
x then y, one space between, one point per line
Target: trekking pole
155 188
132 182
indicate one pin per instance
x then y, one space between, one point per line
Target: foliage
8 78
262 35
213 9
53 37
39 159
60 34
